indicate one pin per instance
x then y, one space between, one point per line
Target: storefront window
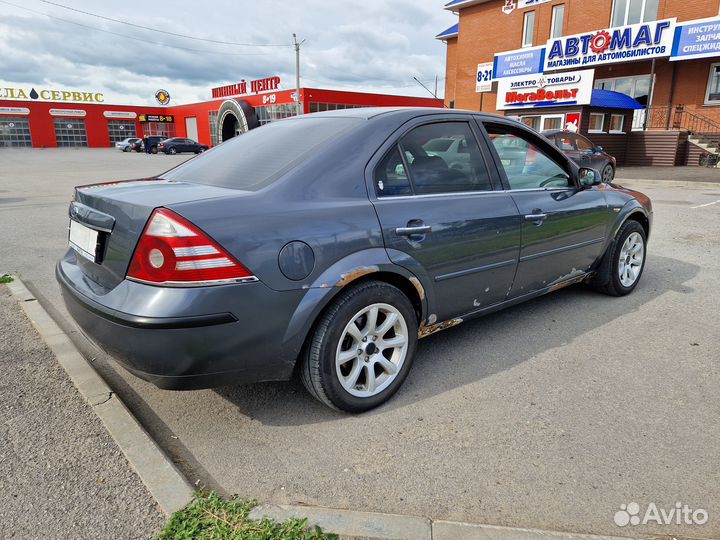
633 11
212 119
531 121
597 123
159 129
552 122
556 28
713 88
617 123
528 29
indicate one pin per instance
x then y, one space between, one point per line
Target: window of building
617 123
120 130
556 26
526 165
159 129
528 29
459 167
633 11
70 132
14 132
531 121
712 95
212 120
597 123
554 121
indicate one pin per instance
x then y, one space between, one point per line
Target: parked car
584 152
153 141
303 248
177 145
126 144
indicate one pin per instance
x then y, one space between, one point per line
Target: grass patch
211 517
6 279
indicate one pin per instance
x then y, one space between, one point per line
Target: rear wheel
153 150
362 348
624 261
173 150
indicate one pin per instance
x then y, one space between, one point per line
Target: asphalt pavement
62 474
548 415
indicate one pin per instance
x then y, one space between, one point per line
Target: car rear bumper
173 340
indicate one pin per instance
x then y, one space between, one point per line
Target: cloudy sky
367 45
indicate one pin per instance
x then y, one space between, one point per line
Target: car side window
391 178
526 165
583 144
444 157
564 142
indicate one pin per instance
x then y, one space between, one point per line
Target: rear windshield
259 157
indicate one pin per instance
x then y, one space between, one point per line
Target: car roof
367 113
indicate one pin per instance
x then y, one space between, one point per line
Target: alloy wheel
631 259
372 350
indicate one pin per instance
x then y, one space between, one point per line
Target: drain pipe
648 107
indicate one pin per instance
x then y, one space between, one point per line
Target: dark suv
152 142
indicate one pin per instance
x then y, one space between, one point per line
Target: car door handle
410 231
536 218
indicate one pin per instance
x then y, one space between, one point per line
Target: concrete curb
647 182
162 479
398 527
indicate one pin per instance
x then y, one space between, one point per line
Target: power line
126 36
163 31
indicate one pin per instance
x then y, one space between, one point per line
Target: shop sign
508 7
67 112
268 84
157 118
548 90
697 39
14 110
522 4
162 97
621 44
483 82
51 95
572 122
119 114
518 62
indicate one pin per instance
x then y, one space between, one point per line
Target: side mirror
598 148
589 177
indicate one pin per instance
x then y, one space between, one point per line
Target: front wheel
173 151
362 348
608 174
624 261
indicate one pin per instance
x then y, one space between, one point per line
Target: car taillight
172 251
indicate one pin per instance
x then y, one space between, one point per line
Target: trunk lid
119 212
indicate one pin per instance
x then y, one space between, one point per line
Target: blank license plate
83 240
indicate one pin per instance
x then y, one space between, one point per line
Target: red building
64 121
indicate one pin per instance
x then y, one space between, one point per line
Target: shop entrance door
191 128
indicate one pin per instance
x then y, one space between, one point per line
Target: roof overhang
450 33
456 5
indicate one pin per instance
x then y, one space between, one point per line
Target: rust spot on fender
425 330
418 287
357 273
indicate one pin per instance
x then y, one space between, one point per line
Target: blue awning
449 33
613 100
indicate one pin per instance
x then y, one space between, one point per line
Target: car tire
153 149
608 174
623 262
341 363
126 149
173 151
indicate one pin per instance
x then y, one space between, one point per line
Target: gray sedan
325 246
584 152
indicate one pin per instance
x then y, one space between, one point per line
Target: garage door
14 131
120 130
70 132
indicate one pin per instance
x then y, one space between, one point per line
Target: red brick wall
450 66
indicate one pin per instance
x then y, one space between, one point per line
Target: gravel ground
62 474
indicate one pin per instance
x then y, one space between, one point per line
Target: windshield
259 157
